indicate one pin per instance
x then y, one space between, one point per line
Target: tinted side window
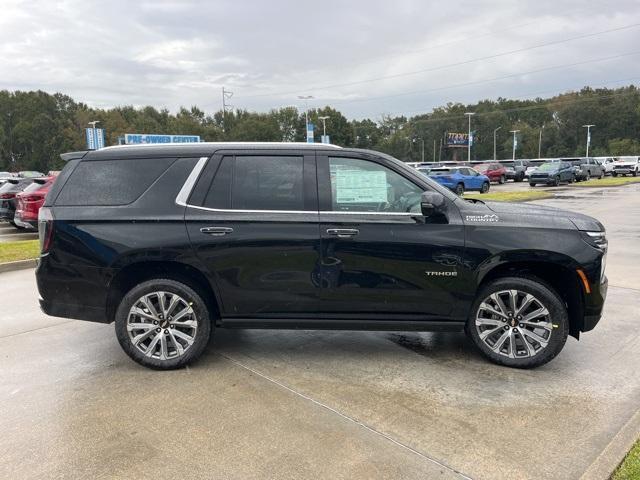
267 183
111 182
219 194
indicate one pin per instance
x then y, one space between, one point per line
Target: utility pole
494 143
434 149
515 142
226 95
588 127
540 142
422 149
469 114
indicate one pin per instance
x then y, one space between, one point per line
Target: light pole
588 127
494 142
324 126
93 126
434 149
540 142
469 114
422 149
515 142
306 99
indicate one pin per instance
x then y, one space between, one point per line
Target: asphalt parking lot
8 233
317 404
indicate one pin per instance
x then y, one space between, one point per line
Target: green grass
629 469
608 182
520 196
22 250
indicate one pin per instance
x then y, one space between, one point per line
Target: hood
529 215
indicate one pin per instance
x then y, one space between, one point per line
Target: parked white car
626 166
607 163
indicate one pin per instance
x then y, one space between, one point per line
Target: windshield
481 167
548 167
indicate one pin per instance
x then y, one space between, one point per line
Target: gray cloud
173 53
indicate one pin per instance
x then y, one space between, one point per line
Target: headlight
598 239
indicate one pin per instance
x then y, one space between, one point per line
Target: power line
529 107
473 37
480 82
456 64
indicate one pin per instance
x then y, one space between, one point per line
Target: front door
253 222
379 256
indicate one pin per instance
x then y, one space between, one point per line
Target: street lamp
324 126
540 142
469 114
588 127
422 150
515 142
494 142
306 99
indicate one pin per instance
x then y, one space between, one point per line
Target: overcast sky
364 57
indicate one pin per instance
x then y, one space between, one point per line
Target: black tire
485 187
572 179
519 178
459 189
601 174
200 310
615 174
558 317
532 184
587 176
556 181
502 179
635 173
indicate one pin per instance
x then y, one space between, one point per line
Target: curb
19 265
608 460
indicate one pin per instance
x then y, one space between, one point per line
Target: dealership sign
139 138
457 139
95 138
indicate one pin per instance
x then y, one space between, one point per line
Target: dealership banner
141 138
457 139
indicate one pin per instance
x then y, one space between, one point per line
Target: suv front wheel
163 324
518 322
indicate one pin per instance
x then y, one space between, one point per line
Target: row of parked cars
22 195
478 175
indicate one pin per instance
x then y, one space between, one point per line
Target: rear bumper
76 312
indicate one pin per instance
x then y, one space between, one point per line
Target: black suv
173 241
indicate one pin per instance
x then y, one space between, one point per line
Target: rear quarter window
111 182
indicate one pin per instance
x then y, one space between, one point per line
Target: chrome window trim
190 182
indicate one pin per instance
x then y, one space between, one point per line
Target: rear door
253 220
379 257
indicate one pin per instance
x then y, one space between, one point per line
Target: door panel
392 261
263 262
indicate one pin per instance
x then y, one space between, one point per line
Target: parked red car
495 171
30 201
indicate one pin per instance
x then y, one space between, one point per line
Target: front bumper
533 179
623 171
594 304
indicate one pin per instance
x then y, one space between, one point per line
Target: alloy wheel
514 324
162 325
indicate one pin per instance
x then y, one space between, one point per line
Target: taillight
32 198
6 196
45 229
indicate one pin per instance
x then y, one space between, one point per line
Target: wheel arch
138 272
563 279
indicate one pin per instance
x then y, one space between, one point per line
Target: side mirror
431 203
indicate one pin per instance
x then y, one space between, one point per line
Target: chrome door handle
343 232
217 231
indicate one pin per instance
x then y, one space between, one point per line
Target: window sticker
360 186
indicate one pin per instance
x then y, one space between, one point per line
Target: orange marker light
585 282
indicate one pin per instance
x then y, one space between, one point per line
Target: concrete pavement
303 404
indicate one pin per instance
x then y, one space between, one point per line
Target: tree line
35 126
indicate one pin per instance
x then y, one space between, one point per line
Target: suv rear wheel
518 322
163 324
